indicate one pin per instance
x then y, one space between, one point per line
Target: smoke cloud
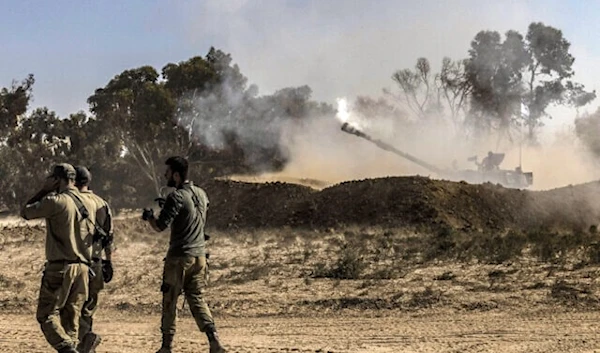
319 150
348 50
228 118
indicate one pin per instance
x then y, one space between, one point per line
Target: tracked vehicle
488 170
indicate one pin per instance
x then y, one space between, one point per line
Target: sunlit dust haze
321 151
345 50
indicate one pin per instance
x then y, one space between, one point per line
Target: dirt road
426 332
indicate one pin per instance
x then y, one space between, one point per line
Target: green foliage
203 108
139 118
533 70
13 104
494 70
135 108
484 93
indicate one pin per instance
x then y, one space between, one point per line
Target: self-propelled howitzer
354 131
488 170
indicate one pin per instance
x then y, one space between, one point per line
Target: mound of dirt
417 202
400 202
572 207
236 204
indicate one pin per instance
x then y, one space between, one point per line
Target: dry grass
270 272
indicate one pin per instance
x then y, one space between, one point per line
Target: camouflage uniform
103 221
185 265
64 285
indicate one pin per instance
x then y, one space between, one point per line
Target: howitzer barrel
354 131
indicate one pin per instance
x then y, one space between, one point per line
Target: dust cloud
560 162
320 150
346 50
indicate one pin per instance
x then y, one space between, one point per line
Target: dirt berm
400 202
397 202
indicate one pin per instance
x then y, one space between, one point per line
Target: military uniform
103 221
65 281
185 264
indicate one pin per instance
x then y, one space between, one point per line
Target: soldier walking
102 242
185 264
64 285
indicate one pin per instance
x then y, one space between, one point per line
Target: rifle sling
84 213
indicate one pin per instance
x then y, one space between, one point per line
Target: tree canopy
200 108
485 92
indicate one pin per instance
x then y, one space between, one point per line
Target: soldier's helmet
64 171
83 177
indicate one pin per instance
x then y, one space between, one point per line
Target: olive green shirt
103 221
185 211
68 235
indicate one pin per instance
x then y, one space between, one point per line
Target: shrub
349 265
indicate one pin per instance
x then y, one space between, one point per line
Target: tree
263 120
38 142
494 71
100 150
534 71
199 75
13 104
206 90
227 75
193 74
430 96
138 110
455 89
230 128
138 119
419 92
551 65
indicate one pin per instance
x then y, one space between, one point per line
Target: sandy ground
266 298
428 332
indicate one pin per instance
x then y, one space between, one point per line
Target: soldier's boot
68 349
215 345
89 343
167 344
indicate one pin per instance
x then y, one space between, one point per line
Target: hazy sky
338 48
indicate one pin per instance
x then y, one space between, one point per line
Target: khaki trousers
188 275
91 305
63 291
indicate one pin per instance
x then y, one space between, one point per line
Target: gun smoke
317 149
226 116
313 146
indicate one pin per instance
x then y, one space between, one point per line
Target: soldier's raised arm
42 204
